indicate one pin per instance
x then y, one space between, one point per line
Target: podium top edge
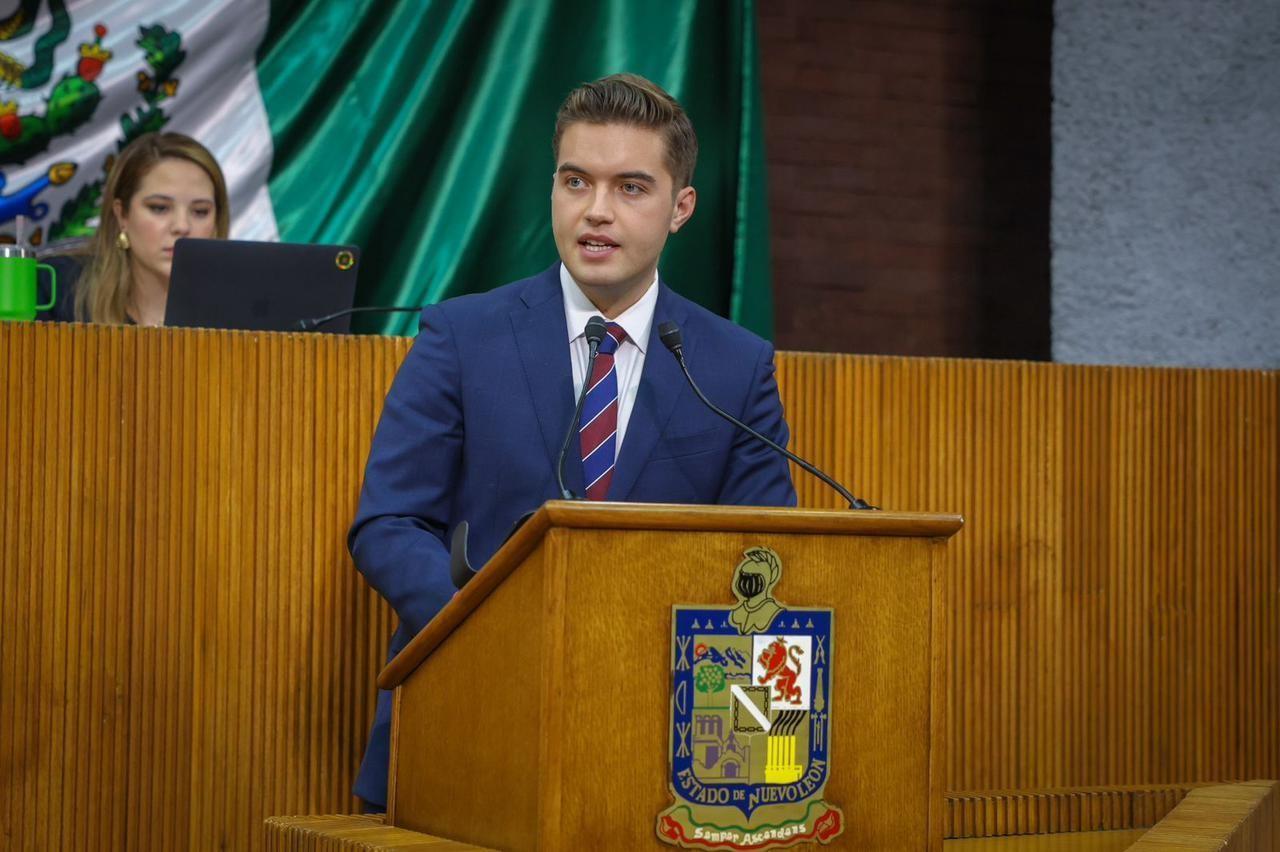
675 517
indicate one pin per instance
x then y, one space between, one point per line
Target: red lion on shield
774 660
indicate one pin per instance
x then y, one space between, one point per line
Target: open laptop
260 286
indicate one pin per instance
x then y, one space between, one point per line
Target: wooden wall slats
1114 594
1000 813
185 648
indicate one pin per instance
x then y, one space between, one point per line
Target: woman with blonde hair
162 187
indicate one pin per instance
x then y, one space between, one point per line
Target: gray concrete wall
1166 182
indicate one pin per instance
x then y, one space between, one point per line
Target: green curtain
421 131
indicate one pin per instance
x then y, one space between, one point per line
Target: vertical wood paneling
1114 598
1012 812
185 648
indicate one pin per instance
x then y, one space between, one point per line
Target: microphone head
669 334
596 330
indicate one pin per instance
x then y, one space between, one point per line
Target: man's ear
686 200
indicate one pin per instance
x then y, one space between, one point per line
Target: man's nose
601 207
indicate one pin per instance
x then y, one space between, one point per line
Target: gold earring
122 241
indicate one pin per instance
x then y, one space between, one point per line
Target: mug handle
53 287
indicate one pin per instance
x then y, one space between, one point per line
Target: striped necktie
598 434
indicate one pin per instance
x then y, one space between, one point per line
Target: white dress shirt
628 360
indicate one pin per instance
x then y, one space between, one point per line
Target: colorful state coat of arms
750 719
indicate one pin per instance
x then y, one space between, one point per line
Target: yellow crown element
8 107
94 51
11 70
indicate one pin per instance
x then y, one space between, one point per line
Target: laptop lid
260 286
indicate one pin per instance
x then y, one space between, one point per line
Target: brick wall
908 149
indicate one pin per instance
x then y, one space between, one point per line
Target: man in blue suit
474 421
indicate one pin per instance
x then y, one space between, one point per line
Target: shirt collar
636 320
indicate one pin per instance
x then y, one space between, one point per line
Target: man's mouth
596 245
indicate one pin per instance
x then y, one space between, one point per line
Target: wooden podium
534 711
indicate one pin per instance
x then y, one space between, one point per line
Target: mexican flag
416 129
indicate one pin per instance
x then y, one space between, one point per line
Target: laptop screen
260 286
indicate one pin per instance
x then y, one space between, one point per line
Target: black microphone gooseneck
669 333
316 322
595 332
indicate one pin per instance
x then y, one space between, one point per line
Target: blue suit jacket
474 421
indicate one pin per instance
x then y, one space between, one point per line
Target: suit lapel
542 338
661 385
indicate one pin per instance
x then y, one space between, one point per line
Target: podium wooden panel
534 711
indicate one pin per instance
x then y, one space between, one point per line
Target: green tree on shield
709 678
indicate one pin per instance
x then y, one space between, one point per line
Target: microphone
669 333
594 332
316 322
460 570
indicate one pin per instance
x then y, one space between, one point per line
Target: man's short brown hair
631 99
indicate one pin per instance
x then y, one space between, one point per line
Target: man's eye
574 182
632 188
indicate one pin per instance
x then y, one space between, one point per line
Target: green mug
18 270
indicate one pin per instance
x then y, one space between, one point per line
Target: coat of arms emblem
750 719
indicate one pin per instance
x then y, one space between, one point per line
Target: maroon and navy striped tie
598 434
